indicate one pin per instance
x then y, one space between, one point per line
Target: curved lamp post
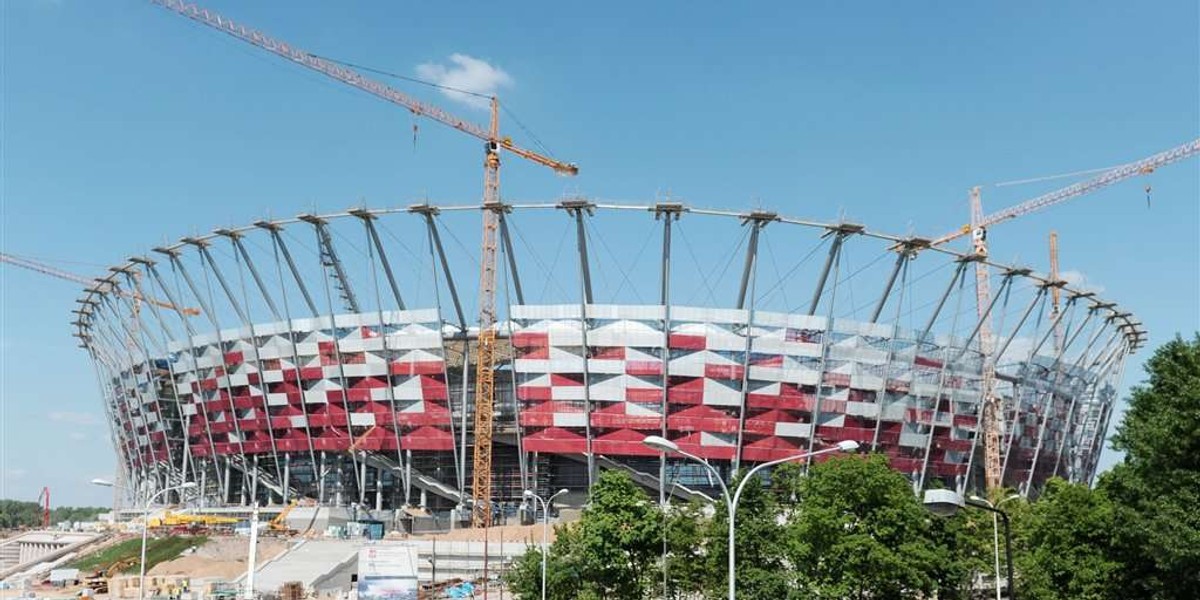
529 495
187 485
946 503
667 446
995 534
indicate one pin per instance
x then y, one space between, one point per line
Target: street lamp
187 485
529 495
995 535
945 503
667 446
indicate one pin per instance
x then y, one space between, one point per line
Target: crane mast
983 294
1055 293
493 143
485 376
44 500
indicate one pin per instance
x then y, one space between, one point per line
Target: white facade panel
793 430
570 419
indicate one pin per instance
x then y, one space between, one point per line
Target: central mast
481 511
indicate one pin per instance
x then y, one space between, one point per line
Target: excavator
278 525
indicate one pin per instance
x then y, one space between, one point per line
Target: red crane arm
356 79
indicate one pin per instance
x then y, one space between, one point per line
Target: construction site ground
221 557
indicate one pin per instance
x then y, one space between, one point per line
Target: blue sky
125 126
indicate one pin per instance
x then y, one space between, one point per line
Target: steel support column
280 249
256 343
207 309
1049 396
576 210
435 243
836 263
189 334
834 251
276 234
330 254
330 258
368 219
236 240
666 212
506 241
902 258
376 247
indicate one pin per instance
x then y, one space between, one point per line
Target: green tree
17 514
1156 488
611 552
564 568
686 534
1065 545
761 570
858 531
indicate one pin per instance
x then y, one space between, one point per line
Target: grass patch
127 552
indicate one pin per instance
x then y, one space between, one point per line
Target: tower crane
493 143
44 500
1055 293
978 230
45 269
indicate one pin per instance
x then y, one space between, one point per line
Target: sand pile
221 557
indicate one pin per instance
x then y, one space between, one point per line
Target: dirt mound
221 557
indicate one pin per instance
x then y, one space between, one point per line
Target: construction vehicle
494 142
977 228
171 519
279 524
120 566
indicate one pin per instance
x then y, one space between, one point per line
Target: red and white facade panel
313 384
714 379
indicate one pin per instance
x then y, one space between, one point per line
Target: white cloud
466 73
16 473
1078 280
74 418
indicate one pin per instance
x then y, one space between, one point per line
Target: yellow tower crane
494 142
978 228
33 265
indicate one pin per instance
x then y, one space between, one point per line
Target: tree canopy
15 514
609 553
851 527
1156 488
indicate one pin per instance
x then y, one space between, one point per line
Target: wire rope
804 259
719 276
624 271
458 242
775 267
696 262
548 270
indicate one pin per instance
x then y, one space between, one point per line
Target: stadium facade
300 372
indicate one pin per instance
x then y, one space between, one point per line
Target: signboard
387 572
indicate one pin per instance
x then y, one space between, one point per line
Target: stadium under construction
332 357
